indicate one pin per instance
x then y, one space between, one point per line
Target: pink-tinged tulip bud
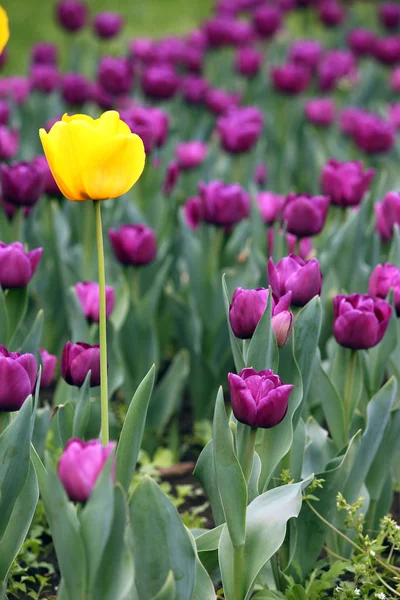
383 279
360 322
44 78
267 20
49 362
193 212
44 53
345 182
373 134
260 174
76 362
219 101
387 50
247 308
9 142
76 89
171 178
389 15
302 246
89 298
160 81
305 215
248 61
361 41
270 206
80 466
240 129
18 374
320 111
395 80
72 14
259 399
50 186
22 183
133 244
224 204
306 53
115 75
291 78
331 13
194 89
191 154
293 274
5 112
17 267
335 65
107 24
388 215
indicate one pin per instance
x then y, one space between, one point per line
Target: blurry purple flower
115 75
44 78
349 118
89 298
72 14
77 360
248 61
193 212
133 244
194 89
224 204
220 101
305 215
383 278
18 374
142 49
171 178
270 206
373 134
15 87
389 15
9 142
76 89
360 322
17 267
292 274
387 50
361 41
191 154
193 59
260 174
331 13
302 247
240 129
291 78
160 81
345 182
49 362
388 215
320 111
44 53
50 186
22 183
334 66
107 24
267 20
306 53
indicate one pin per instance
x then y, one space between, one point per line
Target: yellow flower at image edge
93 159
4 31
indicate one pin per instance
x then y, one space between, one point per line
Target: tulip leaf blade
16 300
82 409
167 592
205 473
31 342
236 350
132 431
307 328
65 422
263 349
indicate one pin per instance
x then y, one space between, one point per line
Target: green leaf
263 349
132 431
160 543
320 448
3 317
77 321
82 409
209 540
65 422
307 327
230 479
167 591
148 304
378 356
203 586
205 473
394 253
267 517
236 350
16 301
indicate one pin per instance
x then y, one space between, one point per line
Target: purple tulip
361 41
345 182
331 13
383 279
193 59
259 399
191 154
150 122
17 267
107 24
44 78
169 50
220 101
349 119
224 204
335 65
270 206
9 142
197 38
218 31
248 61
394 115
133 244
193 212
240 129
89 298
44 53
388 215
49 362
360 322
387 50
160 81
260 174
293 274
303 245
305 215
76 89
194 89
18 374
15 87
291 78
320 111
247 308
389 15
373 134
306 53
22 183
50 186
80 466
72 14
395 80
5 112
76 362
115 75
267 20
142 49
171 178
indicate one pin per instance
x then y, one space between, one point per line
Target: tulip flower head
77 360
320 111
293 274
270 206
223 204
305 215
4 30
80 466
191 154
17 267
22 183
89 297
93 159
71 14
133 244
18 374
388 215
259 399
49 362
345 182
107 24
383 279
360 322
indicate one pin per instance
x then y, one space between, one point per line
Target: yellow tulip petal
114 167
68 118
4 30
108 124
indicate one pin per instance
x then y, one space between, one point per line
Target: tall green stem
102 323
238 564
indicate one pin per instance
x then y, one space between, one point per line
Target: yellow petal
68 118
114 167
4 30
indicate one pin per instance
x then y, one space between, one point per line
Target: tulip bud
389 15
171 178
267 21
142 49
334 66
259 399
224 204
270 206
150 123
194 89
293 274
76 89
388 215
49 362
361 41
331 13
320 111
193 211
115 75
107 24
9 143
291 78
240 129
80 467
248 61
89 297
306 53
345 182
220 101
44 78
260 174
387 50
22 183
133 244
77 360
360 322
18 374
160 82
191 154
305 215
373 134
17 267
44 54
72 14
282 325
383 278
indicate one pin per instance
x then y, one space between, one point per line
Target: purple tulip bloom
89 297
191 154
9 142
76 89
15 87
331 13
160 81
193 59
150 123
224 204
248 61
107 24
293 274
383 279
80 467
388 215
115 75
361 41
306 53
240 129
345 182
44 53
335 65
50 186
320 111
49 362
133 244
18 374
194 89
72 14
305 215
76 362
220 101
387 50
259 399
389 15
17 267
22 183
5 112
373 134
267 20
193 212
44 78
270 206
291 78
142 49
360 322
349 118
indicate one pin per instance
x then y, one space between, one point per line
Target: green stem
102 323
238 568
348 390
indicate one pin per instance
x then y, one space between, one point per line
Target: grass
32 21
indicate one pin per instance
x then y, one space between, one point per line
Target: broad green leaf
203 586
167 591
205 473
320 448
236 350
378 356
16 301
132 431
41 428
263 349
149 303
82 409
209 540
307 327
65 422
160 543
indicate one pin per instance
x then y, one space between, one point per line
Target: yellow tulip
93 159
4 31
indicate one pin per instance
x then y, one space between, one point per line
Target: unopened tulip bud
18 374
383 278
133 244
345 182
49 362
89 297
305 215
72 14
17 267
76 362
22 183
360 322
107 24
191 154
388 215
